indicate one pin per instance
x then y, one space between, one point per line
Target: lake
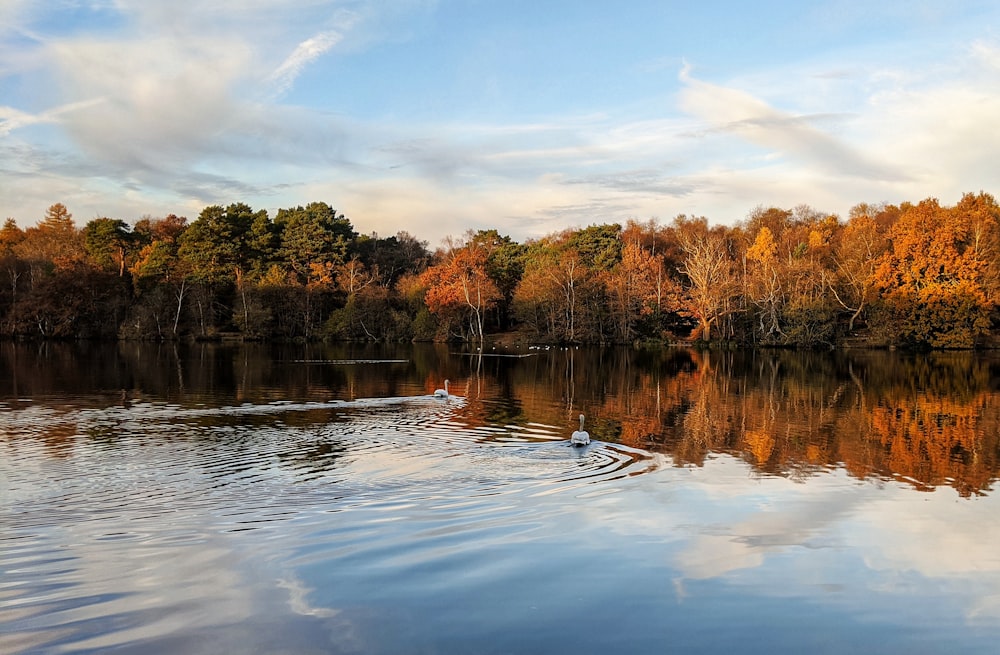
318 499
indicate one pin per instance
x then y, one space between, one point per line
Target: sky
438 117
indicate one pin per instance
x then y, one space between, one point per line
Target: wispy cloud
12 119
304 54
782 133
645 181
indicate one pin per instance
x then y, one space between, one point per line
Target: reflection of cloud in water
148 587
986 608
936 534
772 527
298 599
709 556
788 522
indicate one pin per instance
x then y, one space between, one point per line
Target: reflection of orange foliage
760 443
787 413
814 454
929 438
929 421
787 418
637 428
58 438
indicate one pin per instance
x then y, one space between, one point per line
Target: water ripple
126 526
123 526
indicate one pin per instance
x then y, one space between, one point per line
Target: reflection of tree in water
317 457
927 420
313 441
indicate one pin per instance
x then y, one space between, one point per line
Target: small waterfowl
442 393
581 437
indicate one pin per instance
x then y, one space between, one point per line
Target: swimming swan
580 437
442 393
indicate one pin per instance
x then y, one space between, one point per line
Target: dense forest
914 275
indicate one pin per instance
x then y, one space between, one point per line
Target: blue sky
530 117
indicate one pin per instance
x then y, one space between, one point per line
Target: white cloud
727 110
304 54
987 54
942 134
163 100
12 119
181 102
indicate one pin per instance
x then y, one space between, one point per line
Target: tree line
921 275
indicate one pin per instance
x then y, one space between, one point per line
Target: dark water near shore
257 499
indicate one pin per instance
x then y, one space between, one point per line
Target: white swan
581 437
442 393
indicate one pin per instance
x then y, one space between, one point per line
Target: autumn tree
46 252
638 287
981 214
810 313
787 275
460 283
14 269
861 243
10 236
933 278
764 284
559 293
54 242
713 287
660 243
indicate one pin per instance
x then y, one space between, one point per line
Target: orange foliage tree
54 241
459 285
933 279
638 287
764 283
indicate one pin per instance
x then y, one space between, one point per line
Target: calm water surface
210 499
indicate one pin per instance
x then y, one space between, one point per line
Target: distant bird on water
581 437
442 393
